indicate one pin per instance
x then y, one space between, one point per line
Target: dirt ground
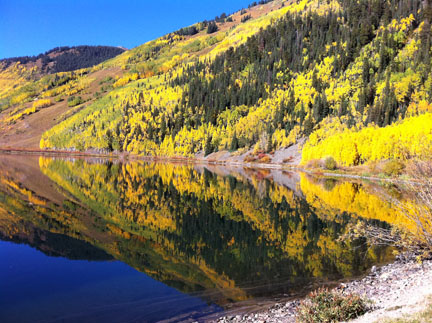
26 133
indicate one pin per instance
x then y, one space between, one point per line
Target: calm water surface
104 241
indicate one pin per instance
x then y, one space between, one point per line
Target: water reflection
223 235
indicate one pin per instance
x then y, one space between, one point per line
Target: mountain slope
17 72
21 124
262 78
23 80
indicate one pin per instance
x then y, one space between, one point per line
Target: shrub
290 159
74 101
330 163
393 168
39 104
265 159
249 159
314 163
330 306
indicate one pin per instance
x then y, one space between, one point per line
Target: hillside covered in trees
65 59
352 76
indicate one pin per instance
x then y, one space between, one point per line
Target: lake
98 240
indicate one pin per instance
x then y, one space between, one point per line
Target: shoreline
392 287
396 289
196 160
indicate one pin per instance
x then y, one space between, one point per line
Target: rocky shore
400 288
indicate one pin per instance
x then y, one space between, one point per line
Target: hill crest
65 58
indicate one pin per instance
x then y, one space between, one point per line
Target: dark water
103 241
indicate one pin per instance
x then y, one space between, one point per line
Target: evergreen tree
325 109
234 142
110 140
308 127
212 27
208 149
269 144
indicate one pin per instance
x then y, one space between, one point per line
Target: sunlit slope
165 53
408 138
24 86
17 72
313 62
31 101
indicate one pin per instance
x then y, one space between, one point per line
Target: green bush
329 306
74 101
393 168
330 163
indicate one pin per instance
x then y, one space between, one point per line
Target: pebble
383 286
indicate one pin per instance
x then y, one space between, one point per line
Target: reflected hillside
226 235
360 199
34 213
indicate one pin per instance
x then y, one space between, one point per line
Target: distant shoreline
195 160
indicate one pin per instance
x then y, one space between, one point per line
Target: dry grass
422 317
27 132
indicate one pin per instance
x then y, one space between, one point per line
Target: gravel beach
400 288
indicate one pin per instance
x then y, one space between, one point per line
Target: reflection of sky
35 287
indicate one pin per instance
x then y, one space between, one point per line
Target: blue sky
30 27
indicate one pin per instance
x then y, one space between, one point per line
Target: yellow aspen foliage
21 97
420 108
409 138
43 103
125 80
281 139
349 198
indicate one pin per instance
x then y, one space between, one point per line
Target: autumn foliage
343 73
410 138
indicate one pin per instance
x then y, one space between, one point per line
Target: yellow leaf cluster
409 138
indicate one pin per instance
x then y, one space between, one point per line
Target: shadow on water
157 241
